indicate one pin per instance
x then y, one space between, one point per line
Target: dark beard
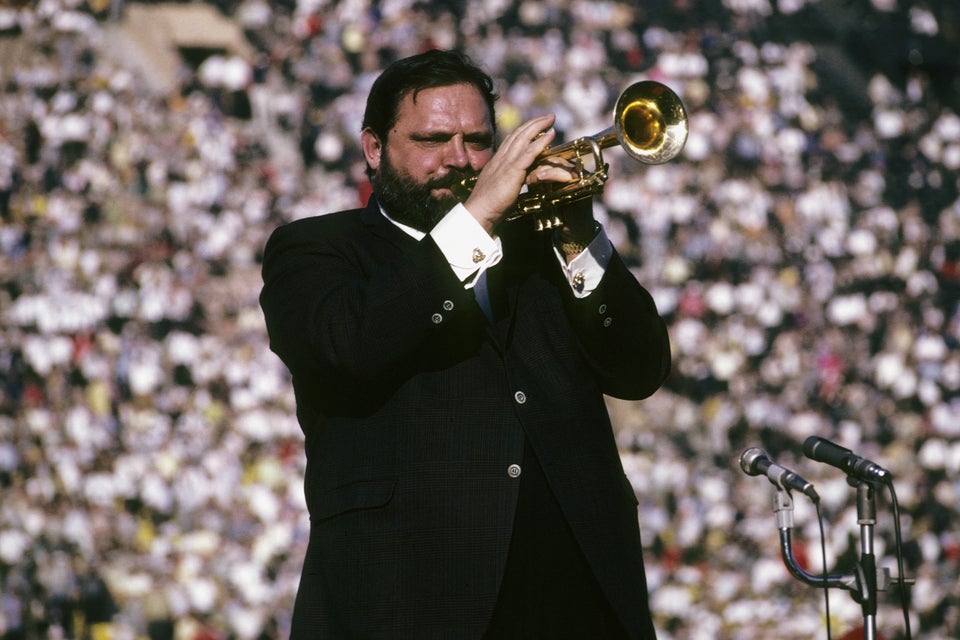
410 202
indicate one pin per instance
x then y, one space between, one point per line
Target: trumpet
650 124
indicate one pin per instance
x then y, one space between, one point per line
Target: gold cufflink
578 281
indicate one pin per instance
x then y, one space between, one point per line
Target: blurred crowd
805 249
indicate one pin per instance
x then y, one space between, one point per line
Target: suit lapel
524 251
503 291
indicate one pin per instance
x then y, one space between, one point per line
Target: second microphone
754 462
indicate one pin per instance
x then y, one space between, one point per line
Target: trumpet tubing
649 123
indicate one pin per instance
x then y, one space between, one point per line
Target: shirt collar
410 231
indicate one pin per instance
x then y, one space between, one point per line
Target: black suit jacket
414 408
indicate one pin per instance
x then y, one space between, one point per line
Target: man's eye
479 144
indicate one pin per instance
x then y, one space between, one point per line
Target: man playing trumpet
463 480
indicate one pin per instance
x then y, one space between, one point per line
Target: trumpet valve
547 223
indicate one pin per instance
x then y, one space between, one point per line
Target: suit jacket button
448 305
514 471
437 318
520 397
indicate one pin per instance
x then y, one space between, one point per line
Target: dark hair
428 70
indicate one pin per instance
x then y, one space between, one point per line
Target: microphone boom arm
783 506
868 579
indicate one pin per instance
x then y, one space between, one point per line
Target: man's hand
500 181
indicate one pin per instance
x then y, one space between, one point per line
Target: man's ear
372 148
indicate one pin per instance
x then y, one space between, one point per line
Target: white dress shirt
470 251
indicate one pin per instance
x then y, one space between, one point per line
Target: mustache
452 179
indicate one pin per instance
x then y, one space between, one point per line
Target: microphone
755 462
823 450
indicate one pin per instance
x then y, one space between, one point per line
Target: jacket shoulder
324 223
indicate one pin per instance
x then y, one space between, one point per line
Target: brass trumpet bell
650 122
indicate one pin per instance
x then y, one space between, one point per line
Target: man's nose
455 153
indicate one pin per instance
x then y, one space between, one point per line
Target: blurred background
804 248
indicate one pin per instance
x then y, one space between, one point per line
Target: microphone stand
864 584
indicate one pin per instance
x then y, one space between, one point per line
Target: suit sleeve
623 336
335 308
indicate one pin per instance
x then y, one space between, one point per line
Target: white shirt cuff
585 271
467 246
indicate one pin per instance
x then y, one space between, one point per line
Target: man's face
439 139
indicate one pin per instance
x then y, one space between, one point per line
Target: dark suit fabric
414 406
